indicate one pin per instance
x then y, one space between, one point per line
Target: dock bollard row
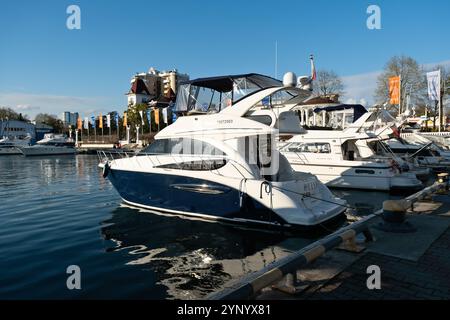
394 211
289 265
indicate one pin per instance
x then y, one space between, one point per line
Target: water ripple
59 211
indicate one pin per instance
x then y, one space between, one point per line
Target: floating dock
413 258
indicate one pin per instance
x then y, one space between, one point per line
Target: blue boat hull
187 195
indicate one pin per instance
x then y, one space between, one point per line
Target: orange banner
124 119
79 123
394 90
100 121
156 115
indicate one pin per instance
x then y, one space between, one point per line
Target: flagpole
441 118
276 59
400 95
439 102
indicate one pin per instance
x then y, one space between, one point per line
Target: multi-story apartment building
154 85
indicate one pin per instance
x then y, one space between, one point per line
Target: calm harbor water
59 211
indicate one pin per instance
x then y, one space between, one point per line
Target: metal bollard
291 284
394 217
443 178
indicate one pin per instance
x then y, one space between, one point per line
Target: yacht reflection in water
192 257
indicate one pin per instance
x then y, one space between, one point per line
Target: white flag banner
108 120
141 113
86 123
434 85
164 114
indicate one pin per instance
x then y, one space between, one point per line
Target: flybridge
216 93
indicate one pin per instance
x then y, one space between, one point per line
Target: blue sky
44 67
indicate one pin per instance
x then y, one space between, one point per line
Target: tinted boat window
267 120
362 171
181 146
308 147
205 165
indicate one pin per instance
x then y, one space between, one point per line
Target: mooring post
368 235
394 217
443 178
290 284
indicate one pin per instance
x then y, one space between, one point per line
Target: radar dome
289 79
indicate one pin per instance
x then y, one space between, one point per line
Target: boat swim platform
413 266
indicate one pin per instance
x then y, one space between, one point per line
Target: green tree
51 120
8 113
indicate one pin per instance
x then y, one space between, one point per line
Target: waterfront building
170 81
69 118
17 129
154 85
41 130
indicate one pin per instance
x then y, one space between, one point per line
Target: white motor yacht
51 144
225 168
10 145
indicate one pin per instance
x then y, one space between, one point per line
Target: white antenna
276 59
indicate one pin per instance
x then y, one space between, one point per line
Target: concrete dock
412 265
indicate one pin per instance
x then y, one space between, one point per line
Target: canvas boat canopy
213 94
358 110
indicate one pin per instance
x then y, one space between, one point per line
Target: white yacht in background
10 145
51 144
218 167
337 162
425 155
330 155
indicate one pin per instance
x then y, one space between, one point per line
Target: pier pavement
414 266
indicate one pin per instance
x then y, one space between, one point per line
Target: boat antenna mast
276 59
306 82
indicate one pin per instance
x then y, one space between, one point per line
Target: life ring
106 169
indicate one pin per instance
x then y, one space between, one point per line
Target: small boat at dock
51 144
11 145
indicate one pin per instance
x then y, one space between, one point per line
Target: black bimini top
358 110
225 83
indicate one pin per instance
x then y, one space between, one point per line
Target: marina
247 169
51 221
224 158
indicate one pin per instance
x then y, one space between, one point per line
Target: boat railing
111 155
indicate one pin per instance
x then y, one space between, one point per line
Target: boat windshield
378 120
215 94
181 146
278 98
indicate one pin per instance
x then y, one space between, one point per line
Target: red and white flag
313 68
395 132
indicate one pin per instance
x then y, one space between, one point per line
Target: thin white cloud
428 66
53 104
360 87
26 107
